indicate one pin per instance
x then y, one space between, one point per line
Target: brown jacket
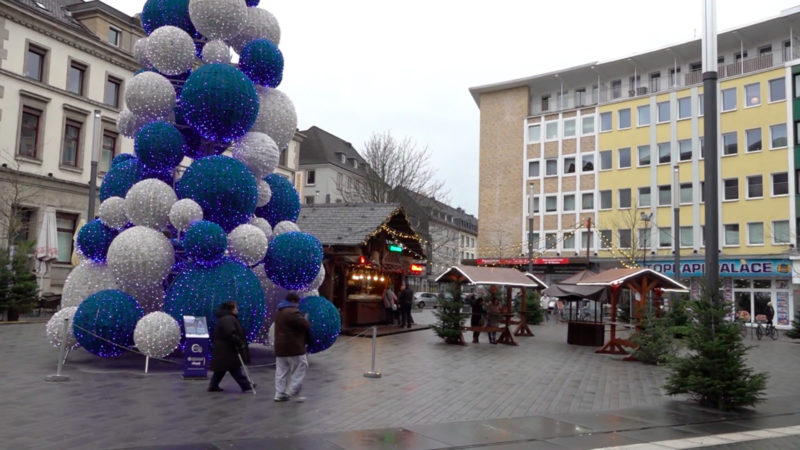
291 331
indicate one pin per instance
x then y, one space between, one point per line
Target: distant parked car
422 299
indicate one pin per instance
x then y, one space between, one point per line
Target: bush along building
591 161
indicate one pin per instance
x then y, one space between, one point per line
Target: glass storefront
752 296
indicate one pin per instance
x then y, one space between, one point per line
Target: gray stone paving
113 404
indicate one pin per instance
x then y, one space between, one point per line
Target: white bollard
372 373
61 356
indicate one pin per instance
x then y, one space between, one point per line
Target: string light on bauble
248 244
140 256
258 24
185 212
205 242
157 334
93 240
262 61
217 19
264 193
216 51
112 212
284 204
84 280
103 324
258 152
159 145
55 328
263 225
170 50
293 260
150 96
276 116
326 324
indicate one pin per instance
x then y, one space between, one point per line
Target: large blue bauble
110 315
262 61
293 260
122 157
119 179
157 13
205 242
326 324
223 187
93 240
220 102
200 291
252 3
159 145
284 204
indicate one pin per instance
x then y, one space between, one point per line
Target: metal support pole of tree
95 156
711 151
676 201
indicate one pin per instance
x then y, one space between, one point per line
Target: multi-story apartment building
332 168
62 64
602 143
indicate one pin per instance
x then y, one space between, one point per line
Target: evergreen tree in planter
533 308
794 333
450 320
714 372
18 288
654 340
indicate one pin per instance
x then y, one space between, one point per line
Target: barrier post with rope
61 356
372 373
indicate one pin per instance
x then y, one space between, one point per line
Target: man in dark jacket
229 342
405 299
291 335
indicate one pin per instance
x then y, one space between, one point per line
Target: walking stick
246 373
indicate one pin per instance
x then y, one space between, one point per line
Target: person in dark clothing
405 299
229 341
476 320
770 312
292 333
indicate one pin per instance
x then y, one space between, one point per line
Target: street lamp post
676 209
646 219
709 63
530 244
95 157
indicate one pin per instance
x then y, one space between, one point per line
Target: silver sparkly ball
264 193
263 225
185 212
150 96
273 294
55 327
258 24
285 226
140 256
248 244
149 296
218 19
310 293
148 203
128 123
157 334
170 50
216 51
276 116
258 152
86 278
112 212
140 52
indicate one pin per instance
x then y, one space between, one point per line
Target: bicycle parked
765 328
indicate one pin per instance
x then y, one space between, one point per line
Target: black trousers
237 375
389 316
405 316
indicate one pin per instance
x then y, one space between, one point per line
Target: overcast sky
355 67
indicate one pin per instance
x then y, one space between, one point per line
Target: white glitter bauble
264 193
55 327
317 281
248 244
150 95
284 226
86 278
304 294
218 19
262 224
140 256
157 334
185 212
216 51
149 296
140 52
276 116
112 212
258 152
148 203
273 294
128 123
170 50
258 24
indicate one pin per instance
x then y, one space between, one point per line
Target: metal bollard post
372 373
61 356
146 363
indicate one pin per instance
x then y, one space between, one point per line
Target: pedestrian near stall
406 299
389 305
476 320
229 342
493 318
291 336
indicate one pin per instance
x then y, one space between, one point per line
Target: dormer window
343 158
355 164
114 36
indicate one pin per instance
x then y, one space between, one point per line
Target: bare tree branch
14 195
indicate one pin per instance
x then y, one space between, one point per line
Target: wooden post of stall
522 329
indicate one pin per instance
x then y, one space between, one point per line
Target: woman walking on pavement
476 320
229 342
493 318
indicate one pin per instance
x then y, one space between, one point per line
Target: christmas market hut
367 248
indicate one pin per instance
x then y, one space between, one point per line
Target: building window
624 238
685 149
551 167
777 135
534 133
605 200
625 198
663 111
780 184
65 229
664 195
643 115
283 156
587 124
752 94
309 199
616 89
605 121
569 241
606 162
684 108
605 239
587 201
569 128
580 96
35 62
730 146
780 232
624 118
550 241
551 131
569 164
731 234
728 99
777 90
535 206
687 237
686 193
643 238
755 233
644 155
730 189
311 177
109 150
587 239
76 77
664 153
755 187
545 103
114 36
29 133
655 79
533 169
587 163
624 157
71 144
665 237
753 137
702 140
569 202
112 91
701 102
551 203
644 197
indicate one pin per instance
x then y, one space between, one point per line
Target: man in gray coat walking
291 336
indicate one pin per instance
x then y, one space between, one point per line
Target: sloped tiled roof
321 147
54 9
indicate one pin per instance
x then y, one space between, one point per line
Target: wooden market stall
367 247
501 277
581 330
